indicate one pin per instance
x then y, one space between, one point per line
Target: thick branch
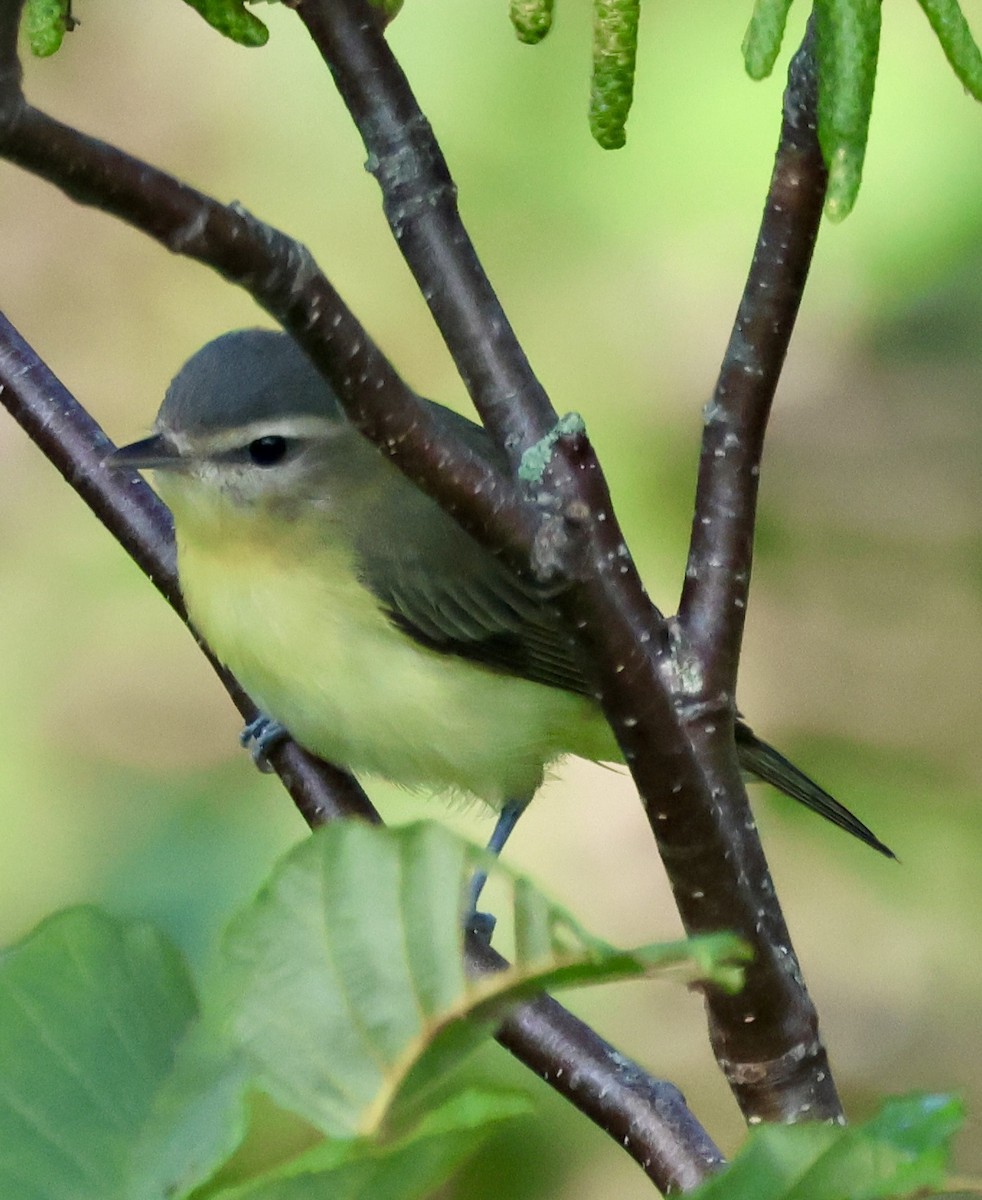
646 1115
677 735
283 278
714 601
767 1041
420 202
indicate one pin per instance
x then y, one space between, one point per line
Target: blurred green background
120 778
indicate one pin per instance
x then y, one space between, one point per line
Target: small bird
357 614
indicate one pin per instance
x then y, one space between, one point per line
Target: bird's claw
260 736
481 924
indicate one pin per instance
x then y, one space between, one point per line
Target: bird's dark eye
267 451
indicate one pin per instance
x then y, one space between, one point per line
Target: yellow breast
284 611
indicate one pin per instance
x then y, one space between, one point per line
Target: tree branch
131 511
283 278
793 1081
717 577
670 701
420 203
676 735
645 1115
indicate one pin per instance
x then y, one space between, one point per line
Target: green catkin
848 44
532 19
961 50
232 19
765 33
45 22
615 48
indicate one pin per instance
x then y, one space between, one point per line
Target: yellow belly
315 652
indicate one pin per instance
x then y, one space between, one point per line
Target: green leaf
198 1120
388 8
345 984
233 19
45 23
412 1165
615 49
345 1011
901 1150
91 1013
848 33
109 1085
532 19
961 49
762 41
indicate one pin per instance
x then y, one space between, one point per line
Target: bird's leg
483 923
261 735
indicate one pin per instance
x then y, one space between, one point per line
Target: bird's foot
481 923
260 736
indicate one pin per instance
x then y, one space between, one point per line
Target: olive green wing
449 593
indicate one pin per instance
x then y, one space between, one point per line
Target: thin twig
717 577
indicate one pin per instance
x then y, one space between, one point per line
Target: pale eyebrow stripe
238 436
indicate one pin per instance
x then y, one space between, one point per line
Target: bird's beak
157 452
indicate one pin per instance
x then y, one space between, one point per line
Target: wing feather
445 590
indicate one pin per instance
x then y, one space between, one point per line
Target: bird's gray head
248 418
247 378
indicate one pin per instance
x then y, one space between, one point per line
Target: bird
359 616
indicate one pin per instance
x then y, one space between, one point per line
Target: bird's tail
764 762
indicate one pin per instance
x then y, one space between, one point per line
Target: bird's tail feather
764 762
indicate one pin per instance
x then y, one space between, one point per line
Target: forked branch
645 1115
668 688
